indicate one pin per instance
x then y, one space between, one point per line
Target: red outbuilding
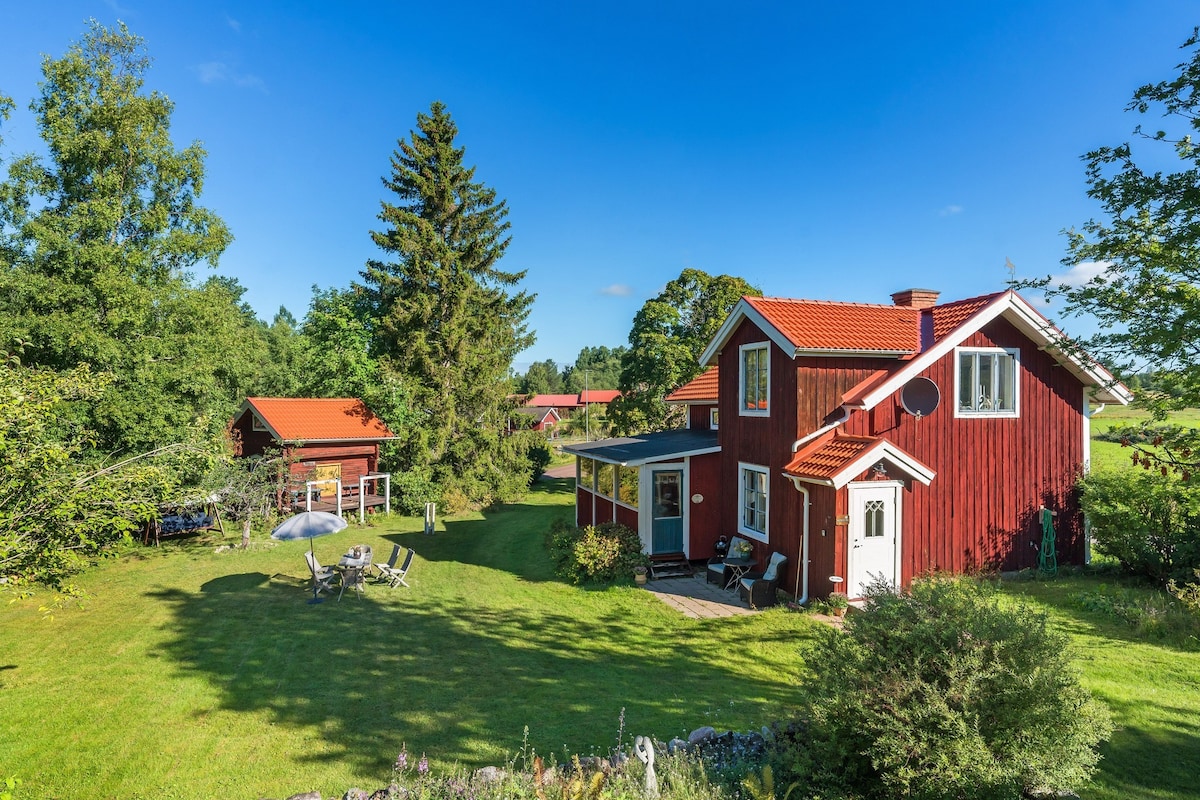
332 444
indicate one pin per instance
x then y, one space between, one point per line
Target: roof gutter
796 445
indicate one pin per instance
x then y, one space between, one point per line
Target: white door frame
646 502
856 532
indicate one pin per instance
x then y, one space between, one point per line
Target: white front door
874 535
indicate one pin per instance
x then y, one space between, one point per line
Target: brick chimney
916 298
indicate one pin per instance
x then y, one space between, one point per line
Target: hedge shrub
1149 522
595 554
943 692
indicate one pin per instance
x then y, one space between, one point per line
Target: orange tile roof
949 316
314 419
856 327
701 389
554 400
598 395
826 456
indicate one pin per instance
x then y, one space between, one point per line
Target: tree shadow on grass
456 679
1161 761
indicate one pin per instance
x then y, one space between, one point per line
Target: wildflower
423 766
401 759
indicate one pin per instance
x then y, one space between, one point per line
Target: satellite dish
920 397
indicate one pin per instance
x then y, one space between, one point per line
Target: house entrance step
670 568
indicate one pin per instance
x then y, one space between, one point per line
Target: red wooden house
873 440
333 445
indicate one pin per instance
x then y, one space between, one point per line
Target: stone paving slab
697 598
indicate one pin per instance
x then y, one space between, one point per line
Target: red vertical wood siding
981 511
699 418
704 521
627 516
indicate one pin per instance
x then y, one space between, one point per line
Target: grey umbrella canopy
307 525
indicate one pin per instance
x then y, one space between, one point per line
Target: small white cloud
1080 274
950 211
617 290
220 72
233 23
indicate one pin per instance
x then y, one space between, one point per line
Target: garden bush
943 692
595 554
1148 521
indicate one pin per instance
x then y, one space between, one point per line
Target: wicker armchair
759 588
715 573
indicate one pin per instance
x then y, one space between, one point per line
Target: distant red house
538 419
865 440
598 396
334 444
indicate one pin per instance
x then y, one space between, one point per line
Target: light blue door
667 528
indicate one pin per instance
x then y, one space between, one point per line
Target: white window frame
1015 353
713 417
742 409
765 534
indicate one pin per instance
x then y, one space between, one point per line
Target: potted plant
639 574
838 602
742 549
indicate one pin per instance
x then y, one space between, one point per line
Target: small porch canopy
645 449
836 459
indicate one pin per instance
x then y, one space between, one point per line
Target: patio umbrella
309 525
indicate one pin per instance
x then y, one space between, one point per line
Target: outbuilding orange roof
293 419
599 395
853 327
700 389
554 401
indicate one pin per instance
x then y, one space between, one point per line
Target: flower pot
640 578
839 611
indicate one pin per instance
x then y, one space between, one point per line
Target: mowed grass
193 674
1152 689
1111 455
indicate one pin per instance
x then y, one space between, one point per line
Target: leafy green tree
56 509
669 334
1144 284
542 377
944 692
594 368
285 366
449 319
97 239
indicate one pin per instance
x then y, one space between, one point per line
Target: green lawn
1151 686
194 674
190 673
1111 455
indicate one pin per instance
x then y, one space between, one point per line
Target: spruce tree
448 319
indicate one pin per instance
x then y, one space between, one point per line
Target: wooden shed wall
704 522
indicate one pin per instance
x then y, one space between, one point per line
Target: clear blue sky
837 151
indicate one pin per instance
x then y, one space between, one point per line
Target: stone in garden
390 792
355 794
306 796
675 745
702 734
490 774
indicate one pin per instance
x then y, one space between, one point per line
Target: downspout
802 563
796 445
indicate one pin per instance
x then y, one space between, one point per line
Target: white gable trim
867 459
1011 306
744 311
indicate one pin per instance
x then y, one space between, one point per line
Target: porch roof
634 451
835 459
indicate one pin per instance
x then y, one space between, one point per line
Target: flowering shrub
595 554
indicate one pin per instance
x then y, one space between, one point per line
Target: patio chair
759 588
716 565
391 573
323 577
381 570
